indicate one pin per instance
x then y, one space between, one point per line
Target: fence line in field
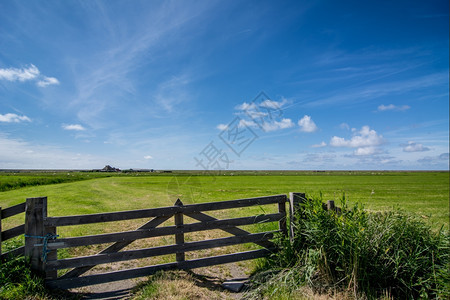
42 242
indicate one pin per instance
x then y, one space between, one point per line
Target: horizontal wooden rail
162 211
13 232
162 231
116 247
13 253
150 252
12 211
68 283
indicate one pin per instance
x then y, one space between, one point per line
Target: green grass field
424 193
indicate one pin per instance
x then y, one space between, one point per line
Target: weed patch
365 254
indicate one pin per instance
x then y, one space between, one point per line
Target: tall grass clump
17 281
359 253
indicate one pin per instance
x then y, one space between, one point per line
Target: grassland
422 193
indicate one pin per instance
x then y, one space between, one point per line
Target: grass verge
366 255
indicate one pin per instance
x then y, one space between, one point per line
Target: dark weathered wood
232 229
34 232
162 211
282 222
207 223
13 232
116 247
12 211
179 237
68 283
13 253
223 259
150 252
1 232
295 203
51 255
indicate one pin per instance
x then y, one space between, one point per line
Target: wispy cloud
277 125
321 145
23 74
27 73
13 118
369 92
148 157
265 114
307 124
393 107
46 81
414 147
75 127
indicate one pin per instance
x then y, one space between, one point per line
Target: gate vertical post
179 237
52 254
34 232
0 231
282 210
295 206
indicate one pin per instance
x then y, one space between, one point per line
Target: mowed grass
424 193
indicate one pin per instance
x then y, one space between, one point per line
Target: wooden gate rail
162 211
13 232
42 244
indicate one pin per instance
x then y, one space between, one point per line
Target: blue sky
296 85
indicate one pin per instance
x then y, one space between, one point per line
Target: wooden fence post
179 237
34 232
295 206
0 231
282 223
52 254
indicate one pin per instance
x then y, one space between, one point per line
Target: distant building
108 168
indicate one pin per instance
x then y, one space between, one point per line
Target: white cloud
275 125
307 124
363 138
273 104
24 74
393 107
13 118
14 74
148 157
222 127
323 144
367 151
47 81
414 147
76 127
246 106
246 123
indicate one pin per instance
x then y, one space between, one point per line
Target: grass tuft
364 254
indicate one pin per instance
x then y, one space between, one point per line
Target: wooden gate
42 242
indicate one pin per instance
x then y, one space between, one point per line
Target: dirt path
206 280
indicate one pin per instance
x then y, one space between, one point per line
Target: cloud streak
27 74
74 127
393 107
414 147
13 118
